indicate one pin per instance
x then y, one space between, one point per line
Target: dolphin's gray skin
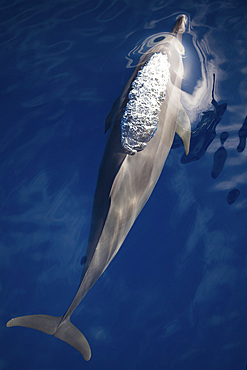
125 182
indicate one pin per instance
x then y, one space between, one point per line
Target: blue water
175 296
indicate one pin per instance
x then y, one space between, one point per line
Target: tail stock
52 325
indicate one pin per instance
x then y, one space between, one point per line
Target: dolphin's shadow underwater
242 133
141 125
219 156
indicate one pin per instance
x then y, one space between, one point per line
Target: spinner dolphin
142 125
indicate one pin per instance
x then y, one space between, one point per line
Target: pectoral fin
183 127
111 115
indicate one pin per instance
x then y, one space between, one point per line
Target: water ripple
113 11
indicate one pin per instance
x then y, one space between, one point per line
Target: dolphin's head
180 25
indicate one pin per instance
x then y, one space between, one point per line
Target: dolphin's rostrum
132 163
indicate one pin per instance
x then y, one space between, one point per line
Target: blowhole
158 39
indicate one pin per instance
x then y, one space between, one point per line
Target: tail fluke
53 325
47 324
71 335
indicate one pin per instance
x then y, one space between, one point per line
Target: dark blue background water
175 296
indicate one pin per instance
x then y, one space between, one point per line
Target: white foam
141 116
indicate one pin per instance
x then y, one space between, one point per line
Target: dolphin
134 156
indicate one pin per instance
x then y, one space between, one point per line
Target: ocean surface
175 296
